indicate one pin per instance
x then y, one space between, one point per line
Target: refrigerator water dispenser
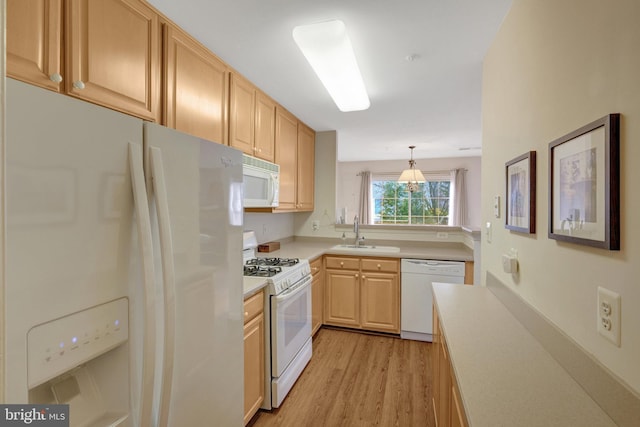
82 360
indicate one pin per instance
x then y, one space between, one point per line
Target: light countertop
505 376
310 248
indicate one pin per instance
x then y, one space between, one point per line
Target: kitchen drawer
382 265
343 263
316 266
253 306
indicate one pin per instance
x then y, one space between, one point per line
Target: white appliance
261 182
416 304
123 284
288 306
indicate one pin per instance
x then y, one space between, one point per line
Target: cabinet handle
364 277
259 150
55 77
379 266
314 269
246 313
341 264
357 275
78 84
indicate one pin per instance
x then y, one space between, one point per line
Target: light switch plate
609 316
487 231
496 206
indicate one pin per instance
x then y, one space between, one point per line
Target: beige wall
553 67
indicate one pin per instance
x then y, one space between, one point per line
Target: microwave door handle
273 190
144 241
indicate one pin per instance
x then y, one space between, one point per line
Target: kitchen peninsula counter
504 375
310 248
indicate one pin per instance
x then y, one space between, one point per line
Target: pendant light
412 176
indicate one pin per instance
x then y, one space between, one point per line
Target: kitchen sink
365 248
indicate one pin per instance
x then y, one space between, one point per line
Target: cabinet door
265 128
380 302
342 298
253 366
444 386
286 157
196 86
34 42
435 364
317 295
242 96
113 51
306 163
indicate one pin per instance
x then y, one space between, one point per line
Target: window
394 204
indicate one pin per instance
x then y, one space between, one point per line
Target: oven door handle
292 292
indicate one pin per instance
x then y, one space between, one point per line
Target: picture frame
520 198
584 185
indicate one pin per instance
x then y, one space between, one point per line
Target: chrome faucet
356 229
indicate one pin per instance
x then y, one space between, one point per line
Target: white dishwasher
416 322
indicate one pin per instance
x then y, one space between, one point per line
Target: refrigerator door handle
146 251
168 273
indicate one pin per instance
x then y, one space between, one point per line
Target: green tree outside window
394 204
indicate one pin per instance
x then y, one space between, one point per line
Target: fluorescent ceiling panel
328 49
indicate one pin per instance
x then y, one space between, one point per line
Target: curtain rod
423 171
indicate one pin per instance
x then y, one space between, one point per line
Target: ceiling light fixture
328 49
412 176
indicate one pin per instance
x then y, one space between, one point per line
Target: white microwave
261 182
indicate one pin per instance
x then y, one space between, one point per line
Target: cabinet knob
55 77
314 269
379 266
246 313
78 84
259 150
357 275
341 264
364 277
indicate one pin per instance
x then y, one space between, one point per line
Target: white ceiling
432 102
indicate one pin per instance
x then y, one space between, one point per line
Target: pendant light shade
412 176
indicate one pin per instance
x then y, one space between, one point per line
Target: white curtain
365 199
458 213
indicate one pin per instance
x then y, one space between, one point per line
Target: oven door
290 324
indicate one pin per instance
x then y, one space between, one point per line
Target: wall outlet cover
609 315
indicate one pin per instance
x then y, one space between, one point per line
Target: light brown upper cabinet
196 87
34 42
295 153
251 119
113 55
286 157
306 163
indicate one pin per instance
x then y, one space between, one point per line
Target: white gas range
288 310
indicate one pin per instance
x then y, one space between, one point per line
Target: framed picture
584 185
521 193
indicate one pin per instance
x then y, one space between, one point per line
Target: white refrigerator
123 276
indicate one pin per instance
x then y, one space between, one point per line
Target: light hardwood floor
356 379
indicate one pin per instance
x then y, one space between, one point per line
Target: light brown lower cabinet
447 403
253 355
362 293
317 294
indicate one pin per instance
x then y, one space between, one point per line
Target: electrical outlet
316 225
609 305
